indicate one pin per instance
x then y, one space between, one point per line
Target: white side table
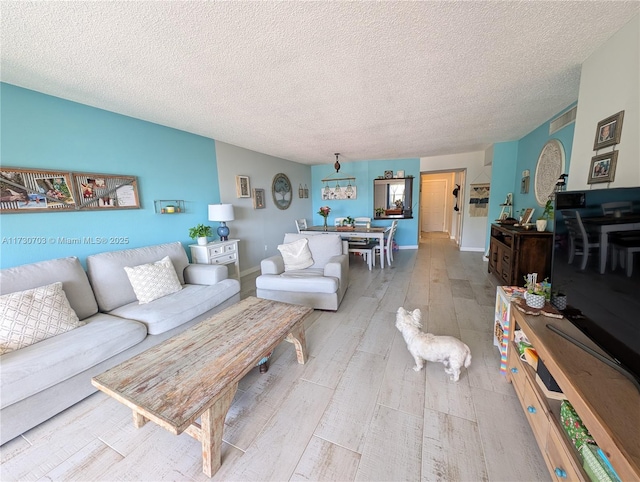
217 252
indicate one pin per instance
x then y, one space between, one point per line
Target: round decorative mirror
281 191
549 168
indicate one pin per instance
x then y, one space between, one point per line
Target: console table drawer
536 412
561 464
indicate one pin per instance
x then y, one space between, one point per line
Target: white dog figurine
449 351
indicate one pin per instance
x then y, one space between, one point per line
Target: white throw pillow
296 255
30 316
153 280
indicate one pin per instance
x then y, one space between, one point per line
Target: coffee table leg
139 420
212 425
297 338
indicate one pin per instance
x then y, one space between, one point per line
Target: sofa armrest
205 274
337 266
272 265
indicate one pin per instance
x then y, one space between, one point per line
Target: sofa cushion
109 279
34 368
296 255
67 270
310 280
30 316
170 311
322 246
153 280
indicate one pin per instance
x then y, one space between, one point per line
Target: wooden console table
606 401
514 252
195 374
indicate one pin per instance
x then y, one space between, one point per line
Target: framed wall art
106 191
242 186
603 168
258 199
609 131
35 190
281 191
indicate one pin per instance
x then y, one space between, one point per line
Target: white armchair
321 286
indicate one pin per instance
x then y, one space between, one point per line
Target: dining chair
388 244
611 208
301 224
365 250
580 241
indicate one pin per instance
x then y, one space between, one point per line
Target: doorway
441 203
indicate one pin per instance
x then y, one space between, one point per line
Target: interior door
433 205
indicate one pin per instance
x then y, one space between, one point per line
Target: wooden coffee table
195 374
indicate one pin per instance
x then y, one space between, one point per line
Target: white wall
257 228
473 229
609 83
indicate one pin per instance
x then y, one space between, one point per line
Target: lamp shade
221 212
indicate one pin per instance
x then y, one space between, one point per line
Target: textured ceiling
302 80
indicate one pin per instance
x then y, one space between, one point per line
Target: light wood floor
355 411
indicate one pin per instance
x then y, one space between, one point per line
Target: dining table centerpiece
324 212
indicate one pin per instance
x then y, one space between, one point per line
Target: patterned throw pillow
296 255
30 316
154 280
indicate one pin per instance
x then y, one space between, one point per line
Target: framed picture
258 199
527 215
609 131
242 186
603 168
35 190
400 174
106 191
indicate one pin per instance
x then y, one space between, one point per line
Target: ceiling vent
563 120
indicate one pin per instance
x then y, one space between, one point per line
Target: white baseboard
408 247
475 250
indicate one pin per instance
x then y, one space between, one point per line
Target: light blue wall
40 131
511 158
365 172
529 148
503 173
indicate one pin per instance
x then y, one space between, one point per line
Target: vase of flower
324 212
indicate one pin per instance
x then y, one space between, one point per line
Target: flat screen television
603 304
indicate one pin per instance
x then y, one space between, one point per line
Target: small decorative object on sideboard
559 300
200 232
536 294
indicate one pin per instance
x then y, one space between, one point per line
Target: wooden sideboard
605 400
514 252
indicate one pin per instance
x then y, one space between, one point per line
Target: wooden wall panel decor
35 190
46 190
106 191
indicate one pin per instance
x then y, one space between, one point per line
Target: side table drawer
225 258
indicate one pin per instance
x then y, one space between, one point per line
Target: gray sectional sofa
43 379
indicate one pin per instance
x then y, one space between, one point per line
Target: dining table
604 225
373 232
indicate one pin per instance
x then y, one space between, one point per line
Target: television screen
596 263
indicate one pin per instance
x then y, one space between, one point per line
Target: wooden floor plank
323 460
347 417
451 449
393 447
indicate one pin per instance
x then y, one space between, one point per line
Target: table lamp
221 213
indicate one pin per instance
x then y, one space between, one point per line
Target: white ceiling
302 80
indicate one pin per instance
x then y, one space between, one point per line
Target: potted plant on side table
547 214
201 233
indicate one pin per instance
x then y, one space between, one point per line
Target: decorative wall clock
549 168
281 191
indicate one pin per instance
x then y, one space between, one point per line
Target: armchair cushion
322 246
296 255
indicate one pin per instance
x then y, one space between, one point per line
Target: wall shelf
169 206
